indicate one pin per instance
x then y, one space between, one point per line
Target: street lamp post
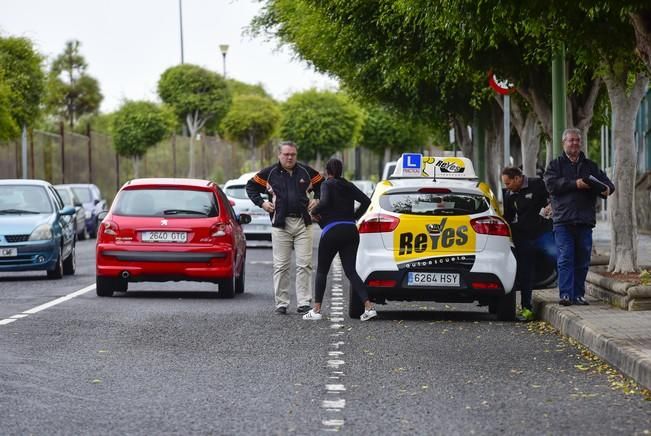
181 26
224 48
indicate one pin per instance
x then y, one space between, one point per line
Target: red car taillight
108 229
217 230
490 225
382 283
379 223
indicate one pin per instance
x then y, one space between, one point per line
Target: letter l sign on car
411 161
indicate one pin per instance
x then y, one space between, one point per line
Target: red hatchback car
170 230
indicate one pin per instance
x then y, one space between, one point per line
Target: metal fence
73 158
67 157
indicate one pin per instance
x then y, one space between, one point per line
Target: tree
384 132
391 51
137 126
241 88
320 123
71 91
251 121
8 127
23 78
197 96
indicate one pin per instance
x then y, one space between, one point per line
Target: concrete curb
620 352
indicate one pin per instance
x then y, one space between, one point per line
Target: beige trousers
295 236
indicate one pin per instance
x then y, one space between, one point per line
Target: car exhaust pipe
125 274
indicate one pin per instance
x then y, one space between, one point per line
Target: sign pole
507 130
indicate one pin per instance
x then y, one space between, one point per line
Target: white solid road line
46 305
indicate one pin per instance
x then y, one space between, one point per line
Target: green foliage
320 121
23 79
100 123
251 120
138 125
645 277
240 88
71 93
8 127
194 91
385 129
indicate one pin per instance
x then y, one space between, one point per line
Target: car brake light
382 283
434 190
490 225
218 229
109 228
232 202
485 285
379 223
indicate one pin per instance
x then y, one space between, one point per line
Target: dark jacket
522 209
572 205
287 191
337 202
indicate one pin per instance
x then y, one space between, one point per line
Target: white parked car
260 226
433 232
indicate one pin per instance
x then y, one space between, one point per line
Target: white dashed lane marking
334 404
46 305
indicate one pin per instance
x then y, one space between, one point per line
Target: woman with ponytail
336 215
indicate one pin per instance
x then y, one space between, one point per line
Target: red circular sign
500 86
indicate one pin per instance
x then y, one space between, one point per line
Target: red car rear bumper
146 263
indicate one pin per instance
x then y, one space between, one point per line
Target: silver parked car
260 226
70 199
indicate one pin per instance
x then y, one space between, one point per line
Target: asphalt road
172 358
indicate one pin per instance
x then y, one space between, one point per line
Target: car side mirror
68 210
102 215
96 202
244 218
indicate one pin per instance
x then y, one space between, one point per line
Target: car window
84 194
24 198
65 196
227 205
422 203
56 198
239 192
171 203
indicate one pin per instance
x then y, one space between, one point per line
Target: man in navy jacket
574 182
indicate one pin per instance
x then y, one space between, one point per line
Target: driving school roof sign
417 165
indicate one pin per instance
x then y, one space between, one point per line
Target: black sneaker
281 310
565 301
581 301
303 309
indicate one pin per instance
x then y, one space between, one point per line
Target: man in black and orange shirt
288 184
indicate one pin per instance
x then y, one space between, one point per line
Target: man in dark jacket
526 200
574 183
288 184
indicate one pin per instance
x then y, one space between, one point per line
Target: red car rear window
166 203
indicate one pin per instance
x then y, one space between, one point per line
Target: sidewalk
620 337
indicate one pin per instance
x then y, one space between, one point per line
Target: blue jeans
574 242
526 253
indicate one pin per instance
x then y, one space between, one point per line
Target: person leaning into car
288 184
574 182
526 203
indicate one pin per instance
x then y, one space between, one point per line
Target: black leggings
342 239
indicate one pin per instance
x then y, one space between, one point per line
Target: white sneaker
368 314
312 315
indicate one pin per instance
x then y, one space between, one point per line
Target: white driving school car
433 232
